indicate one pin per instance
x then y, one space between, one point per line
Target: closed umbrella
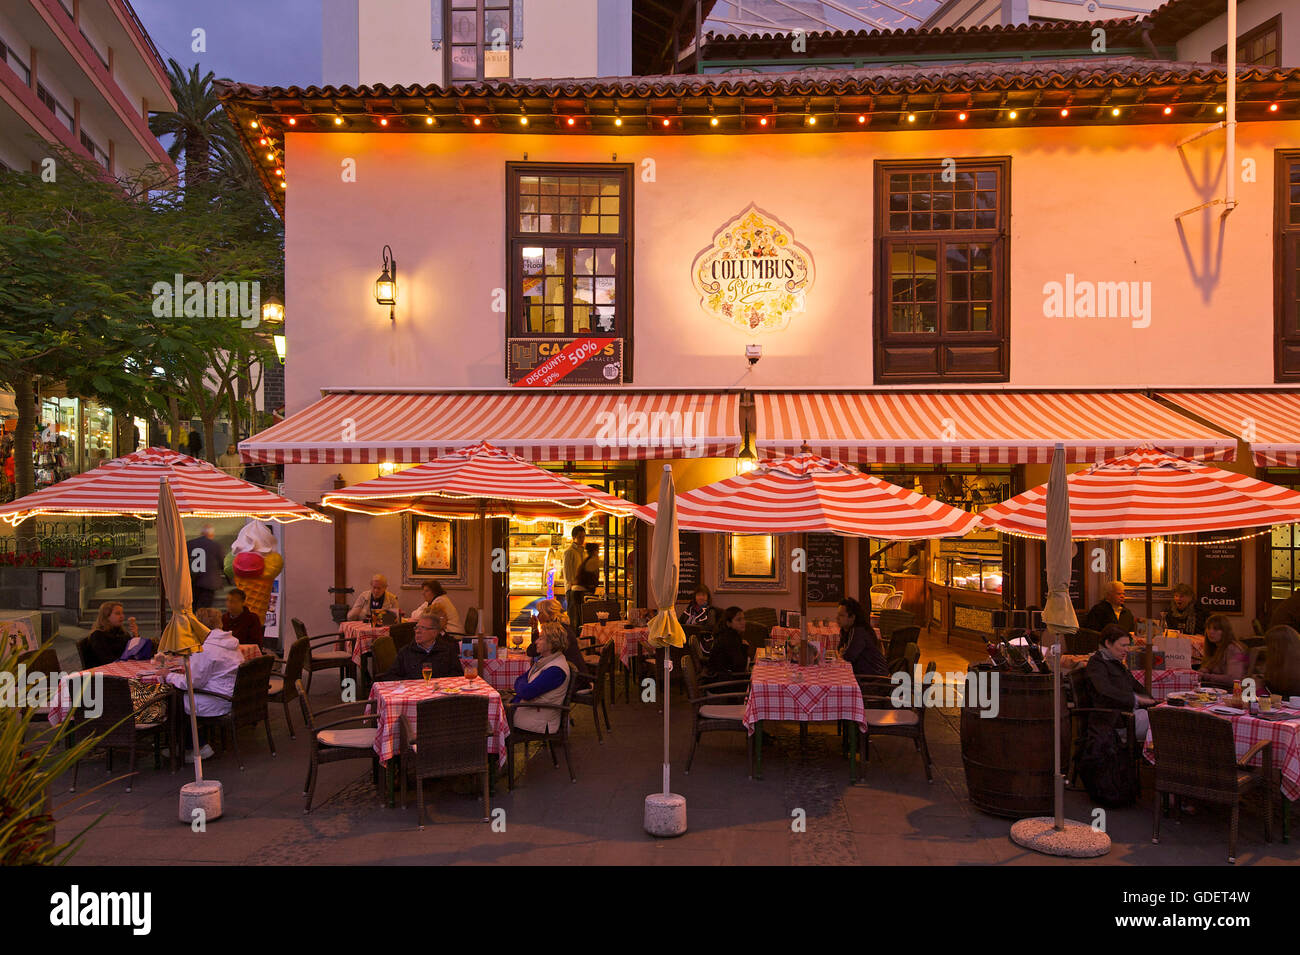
183 635
665 813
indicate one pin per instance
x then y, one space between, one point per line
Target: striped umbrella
809 494
129 486
479 481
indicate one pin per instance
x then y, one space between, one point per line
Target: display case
965 588
981 574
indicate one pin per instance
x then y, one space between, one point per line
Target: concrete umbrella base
205 796
665 814
1076 841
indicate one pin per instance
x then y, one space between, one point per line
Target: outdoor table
397 698
501 672
250 651
1246 732
142 670
1164 682
362 636
783 692
627 642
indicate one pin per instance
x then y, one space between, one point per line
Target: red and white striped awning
1150 494
976 427
481 481
129 486
371 427
810 494
1268 422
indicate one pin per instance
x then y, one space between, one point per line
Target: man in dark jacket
206 574
432 648
1110 609
239 620
1287 613
1183 614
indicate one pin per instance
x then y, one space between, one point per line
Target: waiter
573 558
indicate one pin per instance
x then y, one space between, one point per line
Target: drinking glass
471 669
426 672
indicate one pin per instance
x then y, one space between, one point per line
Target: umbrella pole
803 606
194 724
1150 629
1058 780
668 669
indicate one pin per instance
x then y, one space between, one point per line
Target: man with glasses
432 647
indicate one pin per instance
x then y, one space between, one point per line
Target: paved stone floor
892 817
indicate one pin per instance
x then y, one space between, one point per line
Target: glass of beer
426 672
471 669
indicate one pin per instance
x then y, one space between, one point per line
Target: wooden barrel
1008 757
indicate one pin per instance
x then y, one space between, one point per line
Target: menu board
751 556
688 565
825 568
1219 573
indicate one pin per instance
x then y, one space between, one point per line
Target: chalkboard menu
688 572
1219 573
1077 569
825 568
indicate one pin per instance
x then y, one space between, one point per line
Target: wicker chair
591 688
893 601
891 620
765 617
84 653
1079 707
592 607
383 654
325 654
401 634
527 736
117 720
284 677
1084 641
1196 758
449 739
471 620
906 663
43 660
330 744
248 703
886 719
899 639
756 635
878 593
718 706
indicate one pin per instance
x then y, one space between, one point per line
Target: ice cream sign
753 275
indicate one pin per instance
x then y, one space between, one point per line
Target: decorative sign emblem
754 275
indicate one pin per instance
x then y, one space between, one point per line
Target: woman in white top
545 685
435 598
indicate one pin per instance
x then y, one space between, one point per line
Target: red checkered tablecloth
249 651
362 636
399 698
1164 682
823 636
1249 730
18 633
825 694
501 674
131 669
627 643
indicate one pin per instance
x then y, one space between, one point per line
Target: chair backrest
1194 752
384 653
401 634
40 660
891 620
911 656
299 628
696 650
83 651
604 667
592 607
115 709
763 616
387 618
882 589
1084 641
900 638
295 663
756 635
451 735
692 677
471 620
252 682
1076 687
893 601
306 706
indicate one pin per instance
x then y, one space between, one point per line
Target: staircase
137 593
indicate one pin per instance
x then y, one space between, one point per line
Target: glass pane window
480 36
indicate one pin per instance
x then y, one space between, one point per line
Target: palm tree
201 130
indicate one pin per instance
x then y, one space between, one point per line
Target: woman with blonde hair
545 684
552 611
112 635
1225 654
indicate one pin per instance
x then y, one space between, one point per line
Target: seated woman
545 683
116 638
435 598
859 645
1225 655
700 612
552 611
1106 768
1282 661
728 654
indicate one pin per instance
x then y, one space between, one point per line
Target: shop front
73 436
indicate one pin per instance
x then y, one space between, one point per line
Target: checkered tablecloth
823 637
1249 730
501 674
826 694
1164 682
18 634
399 698
131 669
249 651
362 636
627 643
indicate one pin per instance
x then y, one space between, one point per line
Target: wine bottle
998 658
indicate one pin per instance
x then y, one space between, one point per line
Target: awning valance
366 427
976 427
1268 421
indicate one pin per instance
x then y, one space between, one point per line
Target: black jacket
861 647
1103 615
443 655
728 654
213 575
107 646
1109 684
1191 620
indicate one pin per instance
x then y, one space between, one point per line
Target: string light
383 122
1272 107
1012 115
1168 110
338 120
1064 113
762 121
812 120
713 121
428 120
961 117
479 122
252 124
618 120
279 172
292 121
667 122
1218 109
523 121
571 121
862 118
1159 539
1115 111
262 141
911 117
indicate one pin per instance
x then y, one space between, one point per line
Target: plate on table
1227 711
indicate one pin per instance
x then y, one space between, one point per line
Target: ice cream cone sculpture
254 563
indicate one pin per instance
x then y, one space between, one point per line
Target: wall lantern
386 284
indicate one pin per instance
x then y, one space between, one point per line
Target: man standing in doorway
206 574
573 558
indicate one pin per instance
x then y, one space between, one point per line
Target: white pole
194 724
668 668
1057 779
1230 167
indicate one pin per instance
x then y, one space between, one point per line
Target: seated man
239 620
213 670
1110 609
432 647
377 598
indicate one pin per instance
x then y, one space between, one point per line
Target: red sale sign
564 362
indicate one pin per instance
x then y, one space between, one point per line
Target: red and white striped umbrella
129 486
806 493
1150 493
479 481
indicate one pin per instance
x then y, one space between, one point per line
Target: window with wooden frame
1286 284
480 35
569 238
941 271
1257 47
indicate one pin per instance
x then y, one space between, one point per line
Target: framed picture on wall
433 548
752 562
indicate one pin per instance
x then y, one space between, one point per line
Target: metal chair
325 653
886 719
449 739
117 721
285 675
1196 758
591 688
719 706
248 703
331 743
